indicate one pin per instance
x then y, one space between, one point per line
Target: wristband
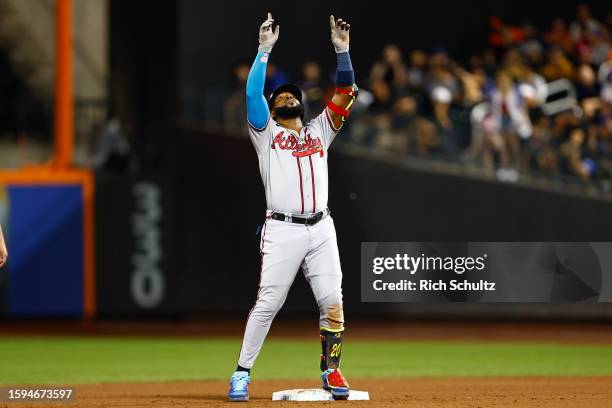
338 110
341 50
345 76
352 92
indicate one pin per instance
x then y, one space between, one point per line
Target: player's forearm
345 75
340 105
257 108
345 79
342 101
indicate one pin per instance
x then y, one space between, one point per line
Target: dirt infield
543 392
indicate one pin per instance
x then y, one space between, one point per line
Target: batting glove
267 37
339 34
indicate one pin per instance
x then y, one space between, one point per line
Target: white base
316 394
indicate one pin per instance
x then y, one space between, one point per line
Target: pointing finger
266 24
269 16
332 21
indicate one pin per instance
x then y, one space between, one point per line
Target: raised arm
346 90
258 112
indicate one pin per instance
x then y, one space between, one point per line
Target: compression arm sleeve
345 76
257 107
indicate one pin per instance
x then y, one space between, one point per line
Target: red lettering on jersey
277 138
309 147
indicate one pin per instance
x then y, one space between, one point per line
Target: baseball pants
285 247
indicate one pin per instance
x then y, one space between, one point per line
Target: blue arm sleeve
345 76
257 107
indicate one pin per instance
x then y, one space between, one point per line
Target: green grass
31 360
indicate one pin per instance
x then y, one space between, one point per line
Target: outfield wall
195 231
47 218
183 243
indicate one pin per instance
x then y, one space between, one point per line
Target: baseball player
299 231
3 251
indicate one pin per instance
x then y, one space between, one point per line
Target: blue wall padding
46 251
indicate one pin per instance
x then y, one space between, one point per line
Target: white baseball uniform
293 168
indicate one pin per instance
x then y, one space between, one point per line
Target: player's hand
339 34
267 37
3 251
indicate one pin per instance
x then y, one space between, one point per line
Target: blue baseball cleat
239 386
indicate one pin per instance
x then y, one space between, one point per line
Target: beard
289 112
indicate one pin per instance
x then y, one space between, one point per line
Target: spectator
485 109
534 54
443 89
275 77
442 85
233 109
533 88
532 46
313 89
489 62
439 58
540 155
606 88
513 64
381 90
571 154
559 36
509 112
584 25
558 66
587 89
404 115
503 35
382 99
425 137
599 46
472 85
602 128
384 138
494 143
417 70
392 68
562 125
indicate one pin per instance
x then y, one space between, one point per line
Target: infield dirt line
545 392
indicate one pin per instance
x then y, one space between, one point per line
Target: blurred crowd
537 100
